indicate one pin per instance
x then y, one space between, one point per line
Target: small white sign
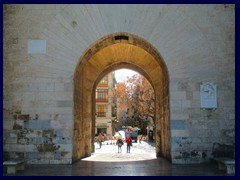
37 46
208 95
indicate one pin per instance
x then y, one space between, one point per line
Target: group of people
119 142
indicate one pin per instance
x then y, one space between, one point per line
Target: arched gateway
112 52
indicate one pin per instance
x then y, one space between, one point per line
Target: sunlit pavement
109 153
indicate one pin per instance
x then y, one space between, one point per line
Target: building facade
105 105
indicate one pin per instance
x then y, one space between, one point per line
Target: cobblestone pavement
109 153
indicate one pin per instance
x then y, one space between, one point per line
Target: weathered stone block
8 124
65 148
179 95
62 124
66 161
49 155
186 104
57 155
37 140
64 103
66 155
178 124
32 155
11 140
180 133
23 117
37 124
179 116
62 140
39 161
13 134
58 133
47 147
30 148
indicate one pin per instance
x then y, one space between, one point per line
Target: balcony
103 85
102 100
101 114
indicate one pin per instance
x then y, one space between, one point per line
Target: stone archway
113 52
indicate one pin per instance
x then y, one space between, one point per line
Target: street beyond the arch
109 152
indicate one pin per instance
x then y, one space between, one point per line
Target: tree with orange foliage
136 97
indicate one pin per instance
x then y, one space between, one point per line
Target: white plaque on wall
208 95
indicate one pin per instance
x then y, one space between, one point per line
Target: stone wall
195 130
197 43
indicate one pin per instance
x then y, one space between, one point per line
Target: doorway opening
125 105
104 56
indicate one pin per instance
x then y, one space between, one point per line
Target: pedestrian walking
129 143
140 139
100 139
119 144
